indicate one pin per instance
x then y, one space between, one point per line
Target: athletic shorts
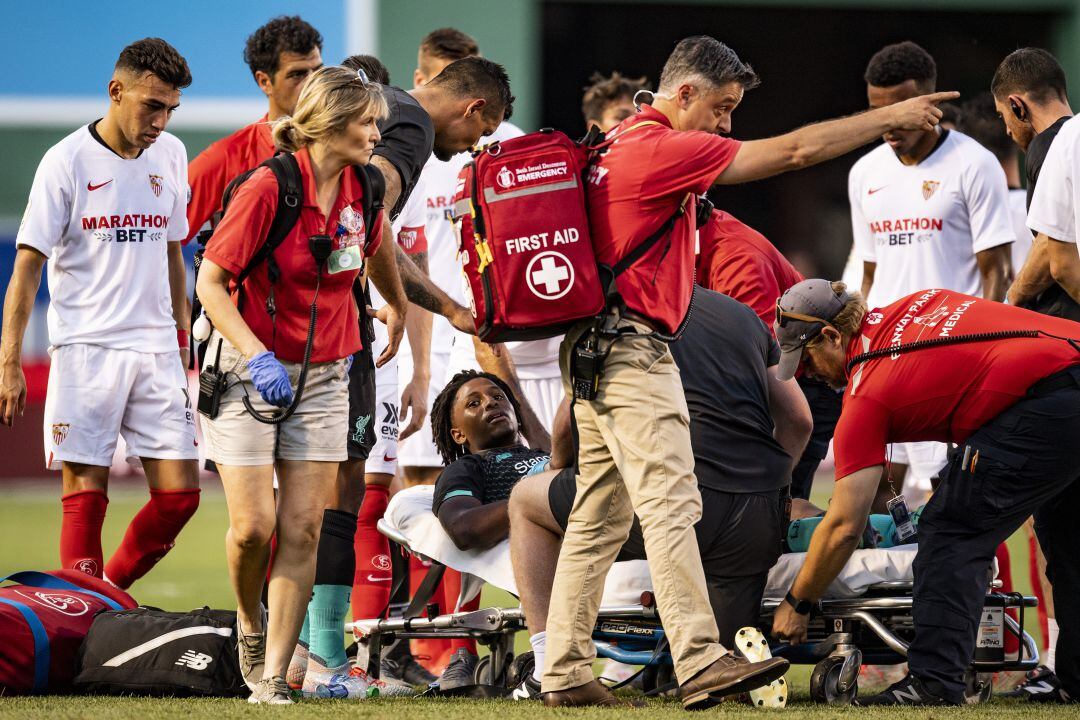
314 432
97 395
739 534
418 450
383 456
924 460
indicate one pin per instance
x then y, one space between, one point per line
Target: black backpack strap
374 189
648 243
290 198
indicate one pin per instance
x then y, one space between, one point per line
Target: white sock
539 644
1051 644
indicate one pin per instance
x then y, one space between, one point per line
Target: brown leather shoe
591 693
729 675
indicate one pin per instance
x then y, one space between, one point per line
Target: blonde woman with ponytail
262 347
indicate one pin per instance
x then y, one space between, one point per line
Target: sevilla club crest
929 187
157 184
60 432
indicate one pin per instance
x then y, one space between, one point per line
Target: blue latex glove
271 379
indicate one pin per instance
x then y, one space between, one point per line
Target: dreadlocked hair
443 406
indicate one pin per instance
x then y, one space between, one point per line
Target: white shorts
924 460
544 396
418 450
97 395
383 457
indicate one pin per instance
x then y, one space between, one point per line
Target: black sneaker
909 691
398 663
527 689
1040 685
461 672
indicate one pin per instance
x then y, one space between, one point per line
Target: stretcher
864 618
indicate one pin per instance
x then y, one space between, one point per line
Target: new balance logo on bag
195 660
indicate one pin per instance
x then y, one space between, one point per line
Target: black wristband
802 607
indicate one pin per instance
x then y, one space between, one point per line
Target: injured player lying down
745 426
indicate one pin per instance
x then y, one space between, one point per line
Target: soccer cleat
398 663
271 691
460 672
1040 685
729 674
386 688
755 648
338 682
251 649
909 691
297 667
527 689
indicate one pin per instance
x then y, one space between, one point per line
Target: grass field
194 575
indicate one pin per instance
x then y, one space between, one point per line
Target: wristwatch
801 606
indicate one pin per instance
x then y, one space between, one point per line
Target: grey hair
705 60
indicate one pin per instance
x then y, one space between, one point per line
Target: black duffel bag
147 651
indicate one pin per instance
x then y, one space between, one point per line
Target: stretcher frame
843 634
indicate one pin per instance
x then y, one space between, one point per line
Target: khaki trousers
634 455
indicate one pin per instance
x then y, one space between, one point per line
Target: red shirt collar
348 191
648 112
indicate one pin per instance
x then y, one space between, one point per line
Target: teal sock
326 616
305 631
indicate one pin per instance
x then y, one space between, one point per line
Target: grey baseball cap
801 313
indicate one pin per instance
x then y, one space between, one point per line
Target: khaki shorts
316 431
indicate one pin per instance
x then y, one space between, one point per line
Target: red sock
373 577
1037 588
433 654
1012 644
80 531
151 534
451 591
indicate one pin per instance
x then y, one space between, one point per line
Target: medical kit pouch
523 236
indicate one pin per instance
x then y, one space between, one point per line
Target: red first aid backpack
44 620
523 236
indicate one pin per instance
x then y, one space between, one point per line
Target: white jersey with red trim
409 231
923 224
103 222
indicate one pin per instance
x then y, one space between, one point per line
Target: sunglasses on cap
782 317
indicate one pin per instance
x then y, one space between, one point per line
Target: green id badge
345 259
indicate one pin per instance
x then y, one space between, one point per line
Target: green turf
194 574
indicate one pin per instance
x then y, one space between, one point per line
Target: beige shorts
316 431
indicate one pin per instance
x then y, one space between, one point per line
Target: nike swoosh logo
91 187
372 578
387 458
874 190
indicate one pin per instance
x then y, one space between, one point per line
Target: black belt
1069 377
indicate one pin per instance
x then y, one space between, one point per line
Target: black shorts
361 405
739 534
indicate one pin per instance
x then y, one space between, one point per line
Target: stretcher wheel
482 674
978 688
825 680
656 676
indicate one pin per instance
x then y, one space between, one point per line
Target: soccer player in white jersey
531 367
107 214
979 120
928 209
